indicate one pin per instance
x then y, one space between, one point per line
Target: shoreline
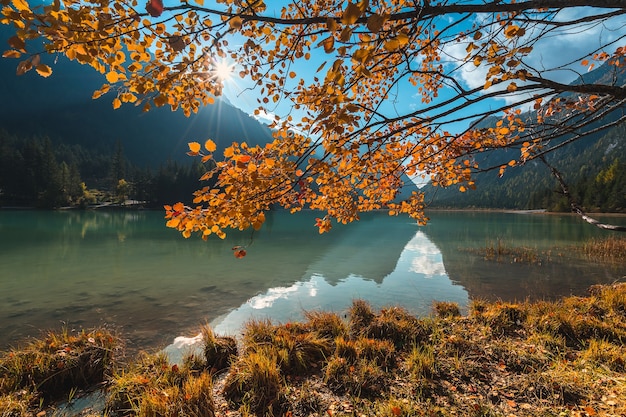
564 357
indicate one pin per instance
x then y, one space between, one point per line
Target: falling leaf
239 253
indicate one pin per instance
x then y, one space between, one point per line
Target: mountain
61 108
532 186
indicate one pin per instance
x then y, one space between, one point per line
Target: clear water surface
127 270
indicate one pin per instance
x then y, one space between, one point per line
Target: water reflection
418 277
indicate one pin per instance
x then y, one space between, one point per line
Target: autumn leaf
210 146
154 7
20 5
112 77
375 22
235 23
177 43
194 147
16 43
43 70
11 53
351 14
239 252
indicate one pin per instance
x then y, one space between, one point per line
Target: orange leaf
244 159
194 147
235 22
43 70
209 145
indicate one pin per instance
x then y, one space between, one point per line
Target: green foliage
38 172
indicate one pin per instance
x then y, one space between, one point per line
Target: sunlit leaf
11 53
209 145
20 5
194 147
112 77
43 70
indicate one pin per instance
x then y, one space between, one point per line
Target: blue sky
563 49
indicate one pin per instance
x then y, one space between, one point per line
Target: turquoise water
128 271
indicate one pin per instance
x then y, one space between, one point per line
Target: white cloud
561 48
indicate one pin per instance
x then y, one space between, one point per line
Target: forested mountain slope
593 167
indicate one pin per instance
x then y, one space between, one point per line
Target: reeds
611 249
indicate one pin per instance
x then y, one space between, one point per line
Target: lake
126 270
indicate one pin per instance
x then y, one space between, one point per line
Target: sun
222 70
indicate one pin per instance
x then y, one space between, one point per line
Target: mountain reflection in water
417 278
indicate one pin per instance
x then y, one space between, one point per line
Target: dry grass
563 358
611 249
54 367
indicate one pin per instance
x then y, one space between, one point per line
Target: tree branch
575 207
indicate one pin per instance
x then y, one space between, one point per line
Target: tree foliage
346 148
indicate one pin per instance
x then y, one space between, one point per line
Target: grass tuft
218 351
59 362
254 382
444 309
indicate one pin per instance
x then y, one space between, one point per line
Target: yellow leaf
173 222
511 31
391 45
194 147
112 77
117 103
20 5
210 146
200 2
43 70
